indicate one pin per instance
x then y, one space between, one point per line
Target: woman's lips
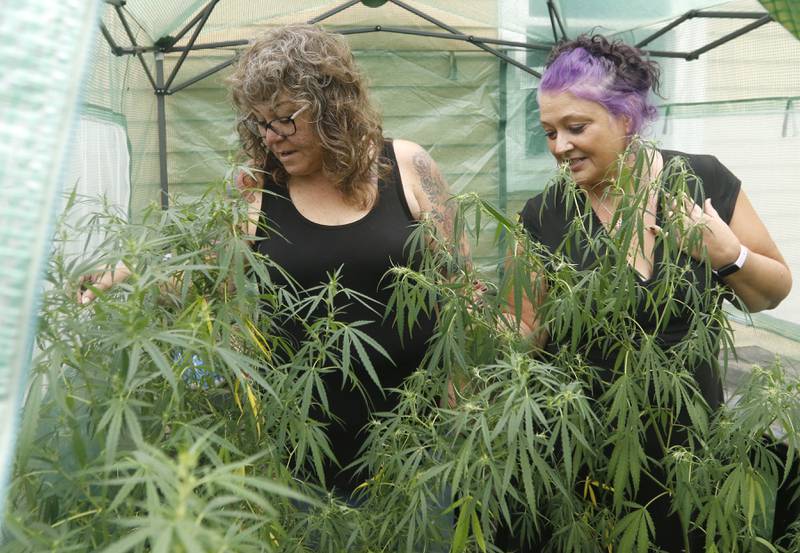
576 163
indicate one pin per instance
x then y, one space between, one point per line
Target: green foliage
172 414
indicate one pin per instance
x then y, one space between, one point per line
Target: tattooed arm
426 191
428 196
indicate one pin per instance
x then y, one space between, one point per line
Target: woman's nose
270 137
562 145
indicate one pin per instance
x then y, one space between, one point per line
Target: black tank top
364 250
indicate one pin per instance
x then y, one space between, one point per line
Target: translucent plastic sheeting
752 156
740 103
231 18
242 18
586 16
200 140
39 91
98 173
759 64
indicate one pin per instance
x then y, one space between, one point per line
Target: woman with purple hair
594 101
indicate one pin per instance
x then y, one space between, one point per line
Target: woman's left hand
765 279
719 241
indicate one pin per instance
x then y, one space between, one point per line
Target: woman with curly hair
339 197
594 98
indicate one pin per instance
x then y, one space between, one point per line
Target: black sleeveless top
364 250
544 218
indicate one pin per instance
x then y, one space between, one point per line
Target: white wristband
731 268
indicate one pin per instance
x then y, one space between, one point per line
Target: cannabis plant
173 414
548 444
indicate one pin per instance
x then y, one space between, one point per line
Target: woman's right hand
92 284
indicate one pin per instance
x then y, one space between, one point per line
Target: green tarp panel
785 12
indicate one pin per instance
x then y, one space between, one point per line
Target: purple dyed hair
613 74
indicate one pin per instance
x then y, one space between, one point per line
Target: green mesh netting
42 75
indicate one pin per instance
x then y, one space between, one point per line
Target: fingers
89 286
691 209
239 181
83 282
84 294
245 181
245 185
709 210
452 400
682 204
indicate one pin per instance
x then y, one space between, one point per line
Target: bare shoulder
426 189
414 161
421 176
404 152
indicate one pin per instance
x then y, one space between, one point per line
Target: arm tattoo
435 189
442 210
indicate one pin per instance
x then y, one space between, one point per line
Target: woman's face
300 153
583 134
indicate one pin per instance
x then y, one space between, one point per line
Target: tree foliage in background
172 414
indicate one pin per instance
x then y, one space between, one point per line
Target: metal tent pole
456 32
198 21
730 36
762 19
334 11
666 28
201 76
162 130
502 158
208 45
196 32
446 36
115 48
555 18
355 31
129 32
189 25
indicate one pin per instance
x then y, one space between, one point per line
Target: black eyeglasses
282 126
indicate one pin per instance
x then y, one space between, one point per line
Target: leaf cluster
174 413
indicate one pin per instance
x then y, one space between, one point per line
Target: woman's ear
628 122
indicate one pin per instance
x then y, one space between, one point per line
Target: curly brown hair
316 68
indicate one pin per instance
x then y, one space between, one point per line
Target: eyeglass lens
283 126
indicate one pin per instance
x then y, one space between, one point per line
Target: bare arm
427 193
432 192
431 195
91 284
764 280
249 183
528 323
